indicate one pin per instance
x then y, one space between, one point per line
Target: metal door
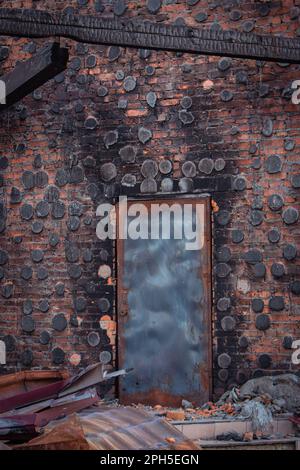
164 308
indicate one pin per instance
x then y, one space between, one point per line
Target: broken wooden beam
133 33
27 76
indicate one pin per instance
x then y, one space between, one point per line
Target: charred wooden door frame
147 35
27 76
121 295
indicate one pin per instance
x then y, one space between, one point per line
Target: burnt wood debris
32 73
128 33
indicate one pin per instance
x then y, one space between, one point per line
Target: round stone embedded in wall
223 304
28 179
80 304
120 75
259 270
7 290
3 257
15 195
257 305
111 138
295 287
62 177
105 357
226 95
186 102
166 185
26 357
223 254
37 255
58 356
186 117
75 271
275 202
42 209
149 185
289 144
224 64
290 215
26 273
129 83
289 252
277 270
27 307
206 166
58 210
128 153
144 135
256 217
60 289
75 209
189 169
59 322
243 342
72 253
153 6
93 338
264 361
53 240
26 211
276 303
262 322
28 324
87 255
253 256
295 181
237 236
149 169
185 185
73 223
274 235
128 180
273 164
45 337
228 323
44 305
267 129
220 164
222 270
108 172
103 305
91 123
287 342
223 375
52 193
104 271
151 99
223 217
224 361
76 175
41 179
42 273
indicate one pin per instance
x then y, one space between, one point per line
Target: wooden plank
32 73
134 33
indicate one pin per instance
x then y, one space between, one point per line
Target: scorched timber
31 74
132 33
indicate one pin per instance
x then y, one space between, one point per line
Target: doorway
164 300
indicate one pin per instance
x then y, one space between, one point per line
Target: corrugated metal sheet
111 428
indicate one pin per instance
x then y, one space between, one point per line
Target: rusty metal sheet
111 428
164 314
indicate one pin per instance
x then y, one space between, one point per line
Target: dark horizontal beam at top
147 35
27 76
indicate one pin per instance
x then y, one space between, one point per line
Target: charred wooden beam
32 73
131 33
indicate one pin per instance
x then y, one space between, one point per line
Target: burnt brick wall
226 126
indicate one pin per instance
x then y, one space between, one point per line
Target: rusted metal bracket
133 33
31 74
